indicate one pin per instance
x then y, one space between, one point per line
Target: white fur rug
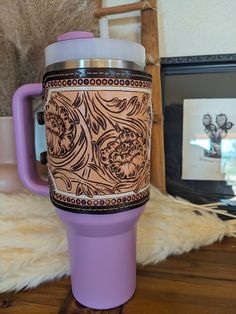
33 245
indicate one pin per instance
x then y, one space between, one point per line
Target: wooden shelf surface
201 282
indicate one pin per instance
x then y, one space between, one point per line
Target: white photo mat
209 138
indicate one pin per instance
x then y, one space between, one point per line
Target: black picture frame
187 77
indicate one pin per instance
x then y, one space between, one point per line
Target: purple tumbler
97 113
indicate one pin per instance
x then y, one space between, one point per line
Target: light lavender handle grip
24 136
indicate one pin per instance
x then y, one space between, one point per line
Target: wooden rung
137 6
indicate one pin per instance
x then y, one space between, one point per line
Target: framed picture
209 136
199 106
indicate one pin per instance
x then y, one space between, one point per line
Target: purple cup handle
24 137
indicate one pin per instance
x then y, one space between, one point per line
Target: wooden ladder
149 39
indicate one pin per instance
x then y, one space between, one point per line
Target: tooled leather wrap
98 128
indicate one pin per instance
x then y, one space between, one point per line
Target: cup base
102 251
103 269
105 306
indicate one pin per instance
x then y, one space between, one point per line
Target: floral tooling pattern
125 156
60 130
98 144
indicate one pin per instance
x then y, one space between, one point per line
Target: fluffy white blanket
33 245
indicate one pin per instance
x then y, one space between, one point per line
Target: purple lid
74 35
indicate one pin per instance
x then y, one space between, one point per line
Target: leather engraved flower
125 156
59 130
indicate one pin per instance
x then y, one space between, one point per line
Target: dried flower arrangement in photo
215 132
